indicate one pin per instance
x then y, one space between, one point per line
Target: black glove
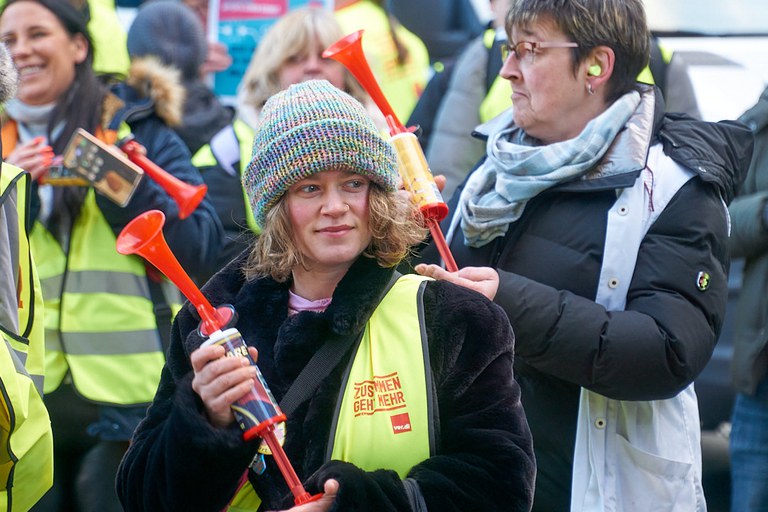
361 491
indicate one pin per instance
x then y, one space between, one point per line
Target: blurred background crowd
153 69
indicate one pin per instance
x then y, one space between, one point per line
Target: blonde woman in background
291 52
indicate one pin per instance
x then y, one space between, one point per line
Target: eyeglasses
526 50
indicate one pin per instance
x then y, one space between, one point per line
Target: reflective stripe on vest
102 326
50 261
26 442
382 418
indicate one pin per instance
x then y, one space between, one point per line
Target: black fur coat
484 458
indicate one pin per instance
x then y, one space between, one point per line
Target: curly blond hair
395 228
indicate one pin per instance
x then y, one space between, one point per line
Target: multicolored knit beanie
308 128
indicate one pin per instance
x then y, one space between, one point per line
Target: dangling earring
590 90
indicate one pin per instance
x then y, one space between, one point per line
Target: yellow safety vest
384 416
100 321
499 96
100 324
205 158
402 84
382 419
26 442
110 50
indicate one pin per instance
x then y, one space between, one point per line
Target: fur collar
161 84
262 304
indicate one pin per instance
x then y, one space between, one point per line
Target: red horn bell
144 236
187 196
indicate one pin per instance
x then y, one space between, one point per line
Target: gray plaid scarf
514 172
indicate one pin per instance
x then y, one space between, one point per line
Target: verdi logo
401 423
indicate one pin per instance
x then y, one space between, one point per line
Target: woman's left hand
484 280
330 488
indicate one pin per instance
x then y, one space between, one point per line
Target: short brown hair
619 24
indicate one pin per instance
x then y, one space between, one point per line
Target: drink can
257 409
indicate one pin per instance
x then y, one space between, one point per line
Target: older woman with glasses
606 221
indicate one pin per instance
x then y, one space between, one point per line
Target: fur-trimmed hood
190 108
151 84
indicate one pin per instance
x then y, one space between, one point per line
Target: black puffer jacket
484 460
549 263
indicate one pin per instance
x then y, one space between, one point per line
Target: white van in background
724 43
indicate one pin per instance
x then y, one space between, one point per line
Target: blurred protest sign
240 25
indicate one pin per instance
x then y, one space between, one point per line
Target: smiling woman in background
103 337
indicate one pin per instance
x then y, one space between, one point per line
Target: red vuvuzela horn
413 167
187 196
144 236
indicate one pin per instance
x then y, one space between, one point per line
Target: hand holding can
258 409
257 412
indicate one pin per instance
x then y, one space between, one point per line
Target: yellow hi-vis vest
110 51
100 321
498 98
100 324
26 441
383 418
243 135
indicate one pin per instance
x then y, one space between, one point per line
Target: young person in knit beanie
417 408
